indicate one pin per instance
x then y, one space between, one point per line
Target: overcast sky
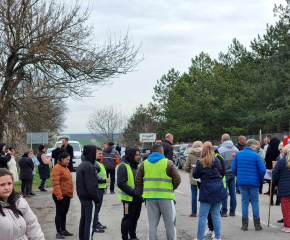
172 32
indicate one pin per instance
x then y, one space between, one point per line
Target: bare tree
48 47
106 123
142 121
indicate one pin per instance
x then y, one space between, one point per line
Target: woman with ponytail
281 179
62 192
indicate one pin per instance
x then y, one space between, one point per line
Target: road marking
262 222
182 193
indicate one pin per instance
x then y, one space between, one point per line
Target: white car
77 152
48 152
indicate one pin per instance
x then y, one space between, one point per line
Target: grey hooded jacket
227 150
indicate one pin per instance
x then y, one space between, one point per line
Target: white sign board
147 137
268 174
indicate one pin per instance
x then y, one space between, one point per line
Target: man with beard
69 149
129 193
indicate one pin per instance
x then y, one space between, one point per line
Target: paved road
112 211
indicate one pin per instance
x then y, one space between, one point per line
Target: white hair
251 142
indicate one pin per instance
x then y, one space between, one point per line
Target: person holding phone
4 158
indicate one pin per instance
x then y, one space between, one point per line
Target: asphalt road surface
112 212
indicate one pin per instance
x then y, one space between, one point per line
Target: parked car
48 152
182 158
183 147
144 154
77 152
175 152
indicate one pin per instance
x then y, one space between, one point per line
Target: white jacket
13 168
22 228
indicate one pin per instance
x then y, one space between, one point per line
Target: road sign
37 138
286 140
147 137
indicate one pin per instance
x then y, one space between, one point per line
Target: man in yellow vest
102 181
128 193
159 178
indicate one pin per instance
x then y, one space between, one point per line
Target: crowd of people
214 176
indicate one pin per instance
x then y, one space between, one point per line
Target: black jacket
272 152
87 182
69 149
118 149
122 176
4 158
168 149
55 154
240 146
281 177
26 167
43 169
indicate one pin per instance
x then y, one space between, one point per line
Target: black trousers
26 186
62 207
129 222
112 173
88 220
209 222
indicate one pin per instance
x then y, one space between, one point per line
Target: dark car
144 154
175 152
183 147
182 159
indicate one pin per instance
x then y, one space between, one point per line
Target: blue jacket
249 168
281 177
211 185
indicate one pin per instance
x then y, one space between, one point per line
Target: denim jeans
247 192
204 209
231 183
193 199
42 183
237 186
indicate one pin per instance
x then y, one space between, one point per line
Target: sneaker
112 192
66 233
100 226
280 221
98 230
286 229
59 236
232 214
208 233
193 215
213 235
43 190
224 215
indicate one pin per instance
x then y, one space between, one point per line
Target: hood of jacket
274 143
130 153
196 151
1 146
15 199
108 149
227 144
155 157
90 152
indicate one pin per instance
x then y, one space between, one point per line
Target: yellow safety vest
130 182
156 182
102 174
224 178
